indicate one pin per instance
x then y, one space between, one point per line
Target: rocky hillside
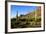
36 13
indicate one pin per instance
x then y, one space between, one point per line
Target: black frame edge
5 16
28 2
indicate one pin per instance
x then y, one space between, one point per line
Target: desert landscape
29 20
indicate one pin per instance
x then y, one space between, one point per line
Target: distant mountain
37 13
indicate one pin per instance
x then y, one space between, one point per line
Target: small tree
21 15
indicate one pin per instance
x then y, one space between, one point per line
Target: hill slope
36 13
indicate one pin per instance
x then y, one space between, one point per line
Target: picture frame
32 28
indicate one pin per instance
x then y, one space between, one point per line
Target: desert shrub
13 19
13 24
32 19
38 19
28 22
23 20
21 15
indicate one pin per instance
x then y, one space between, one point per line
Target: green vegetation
23 23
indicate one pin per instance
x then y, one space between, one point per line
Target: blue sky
21 9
